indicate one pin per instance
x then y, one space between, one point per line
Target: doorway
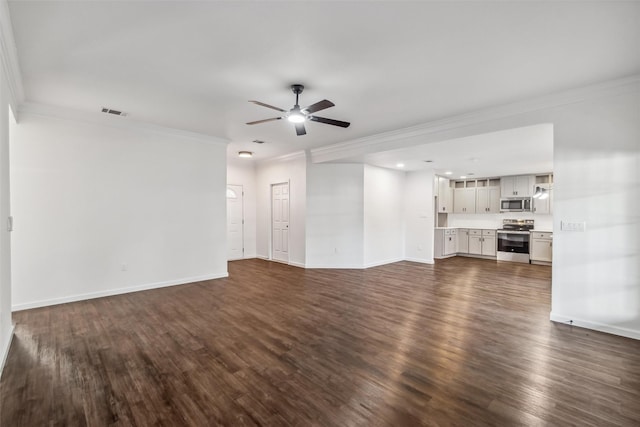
235 222
280 222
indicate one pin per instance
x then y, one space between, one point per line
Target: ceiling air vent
257 141
114 112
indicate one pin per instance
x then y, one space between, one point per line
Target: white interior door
280 222
235 220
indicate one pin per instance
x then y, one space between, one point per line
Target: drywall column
242 172
6 326
596 272
335 214
384 193
419 216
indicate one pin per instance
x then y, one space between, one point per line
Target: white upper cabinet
464 200
488 200
543 205
517 186
445 195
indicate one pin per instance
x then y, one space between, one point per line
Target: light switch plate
573 226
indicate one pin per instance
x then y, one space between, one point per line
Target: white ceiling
386 65
510 152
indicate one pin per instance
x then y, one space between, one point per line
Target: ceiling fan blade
264 121
300 130
318 106
268 106
329 121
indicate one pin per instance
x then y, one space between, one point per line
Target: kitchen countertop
467 228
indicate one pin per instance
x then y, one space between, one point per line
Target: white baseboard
420 260
240 259
336 267
5 348
291 263
297 264
118 291
384 262
596 326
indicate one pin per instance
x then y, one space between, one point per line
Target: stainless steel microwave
516 205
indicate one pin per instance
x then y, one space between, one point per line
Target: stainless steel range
513 240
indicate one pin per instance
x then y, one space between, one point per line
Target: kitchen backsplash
542 222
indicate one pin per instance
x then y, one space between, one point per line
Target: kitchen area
507 218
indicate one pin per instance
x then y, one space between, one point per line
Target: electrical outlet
573 226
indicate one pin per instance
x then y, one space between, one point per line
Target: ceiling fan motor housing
299 115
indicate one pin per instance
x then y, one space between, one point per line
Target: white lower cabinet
482 242
541 248
463 241
489 242
446 243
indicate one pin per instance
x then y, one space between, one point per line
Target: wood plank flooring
464 342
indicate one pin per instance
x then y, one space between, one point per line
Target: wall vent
114 112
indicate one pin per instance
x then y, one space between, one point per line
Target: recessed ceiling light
400 165
463 176
474 159
245 154
470 174
448 173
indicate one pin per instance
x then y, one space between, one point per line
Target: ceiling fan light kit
298 115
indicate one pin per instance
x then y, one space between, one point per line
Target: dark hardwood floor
465 342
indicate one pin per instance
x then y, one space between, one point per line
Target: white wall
242 172
596 274
6 325
384 194
419 216
91 200
290 169
335 215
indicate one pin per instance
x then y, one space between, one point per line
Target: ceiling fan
299 115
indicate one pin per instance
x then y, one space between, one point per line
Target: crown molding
296 155
382 140
9 58
113 121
